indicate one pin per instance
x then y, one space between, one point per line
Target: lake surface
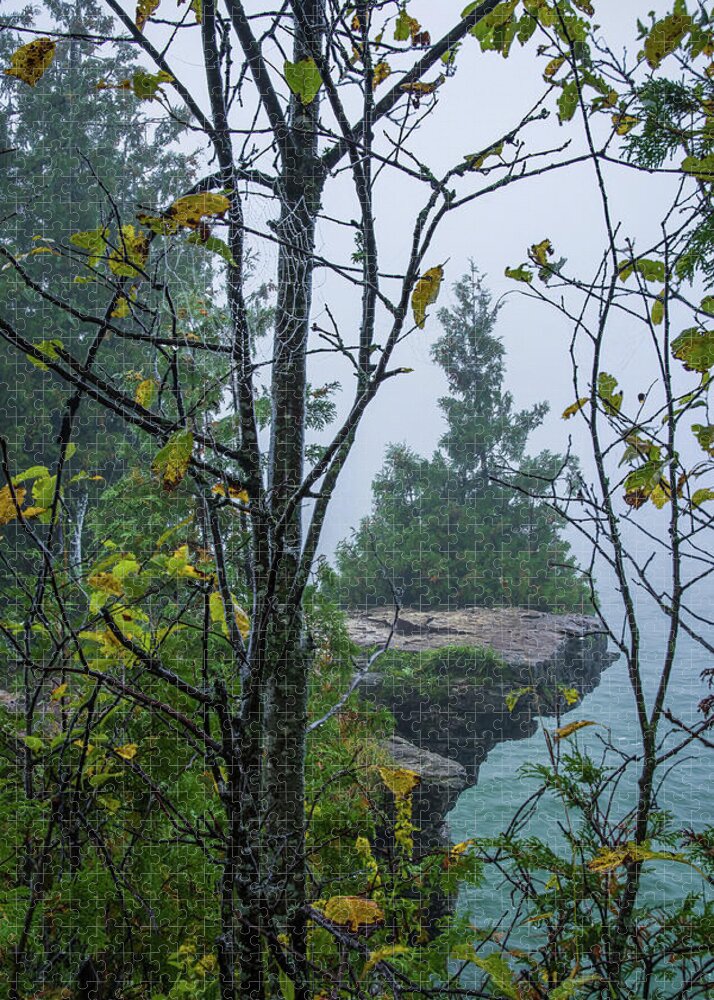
486 809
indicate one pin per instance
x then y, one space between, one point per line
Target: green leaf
651 270
49 349
171 462
513 697
695 349
501 975
519 274
214 245
33 743
657 312
147 85
526 28
94 241
496 30
35 472
701 496
43 491
702 169
568 101
304 79
405 26
707 305
704 433
665 36
641 484
606 386
570 987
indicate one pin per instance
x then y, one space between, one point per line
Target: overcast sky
486 94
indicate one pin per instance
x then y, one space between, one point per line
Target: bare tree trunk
75 555
286 687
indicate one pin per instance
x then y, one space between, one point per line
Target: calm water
485 810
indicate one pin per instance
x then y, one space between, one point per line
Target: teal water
485 810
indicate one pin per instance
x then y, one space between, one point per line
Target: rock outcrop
441 781
462 718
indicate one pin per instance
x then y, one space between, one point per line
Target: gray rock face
441 781
518 636
463 720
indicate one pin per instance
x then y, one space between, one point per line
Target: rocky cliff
459 682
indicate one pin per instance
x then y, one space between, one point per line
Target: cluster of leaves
566 937
102 801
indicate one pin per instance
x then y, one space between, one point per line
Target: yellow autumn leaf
476 160
127 752
540 252
234 492
624 123
571 694
144 10
59 692
426 291
665 36
192 208
574 408
129 257
205 965
660 495
572 727
422 89
10 505
30 61
352 912
552 68
34 511
107 583
171 462
145 392
609 858
389 951
399 780
381 71
179 565
657 311
121 309
218 616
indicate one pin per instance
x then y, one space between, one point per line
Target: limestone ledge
463 720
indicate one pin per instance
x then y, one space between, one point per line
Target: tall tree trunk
288 660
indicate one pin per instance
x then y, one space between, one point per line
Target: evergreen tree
70 164
444 532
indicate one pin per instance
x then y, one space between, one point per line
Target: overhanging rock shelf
460 715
